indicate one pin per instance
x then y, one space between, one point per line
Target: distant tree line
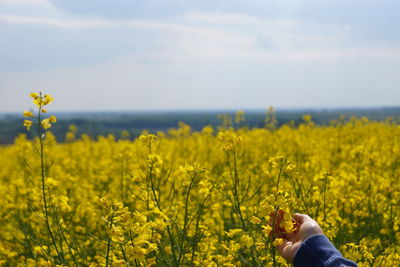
132 124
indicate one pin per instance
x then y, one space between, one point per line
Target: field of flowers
205 198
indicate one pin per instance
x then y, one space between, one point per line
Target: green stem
109 240
279 175
185 220
43 176
150 186
273 237
62 231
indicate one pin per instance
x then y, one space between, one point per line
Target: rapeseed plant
217 197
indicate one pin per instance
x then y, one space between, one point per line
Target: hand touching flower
292 241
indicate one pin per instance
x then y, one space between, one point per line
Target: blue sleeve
318 251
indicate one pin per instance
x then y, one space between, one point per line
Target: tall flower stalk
43 124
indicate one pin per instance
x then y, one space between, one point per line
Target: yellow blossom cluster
40 102
207 198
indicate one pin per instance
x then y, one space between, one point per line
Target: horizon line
216 110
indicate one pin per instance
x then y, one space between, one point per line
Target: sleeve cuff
317 250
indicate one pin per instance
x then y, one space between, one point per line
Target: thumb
301 218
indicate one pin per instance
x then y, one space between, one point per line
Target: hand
292 242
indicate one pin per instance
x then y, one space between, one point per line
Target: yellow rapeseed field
185 198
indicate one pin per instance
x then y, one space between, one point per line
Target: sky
123 55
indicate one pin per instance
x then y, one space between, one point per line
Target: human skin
292 242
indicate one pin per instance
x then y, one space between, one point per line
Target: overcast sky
209 54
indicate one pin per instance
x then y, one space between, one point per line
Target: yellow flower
44 110
119 262
277 161
246 241
266 230
39 250
239 116
28 124
307 117
47 99
27 113
53 119
52 182
278 242
151 247
148 139
34 95
37 102
255 220
46 123
233 232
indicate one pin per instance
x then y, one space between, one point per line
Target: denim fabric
318 251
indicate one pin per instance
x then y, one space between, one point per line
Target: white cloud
208 36
219 18
17 3
197 35
206 29
76 22
55 22
197 55
240 83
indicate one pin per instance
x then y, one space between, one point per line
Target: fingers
293 237
301 218
292 241
282 248
288 249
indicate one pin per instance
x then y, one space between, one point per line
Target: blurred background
133 65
